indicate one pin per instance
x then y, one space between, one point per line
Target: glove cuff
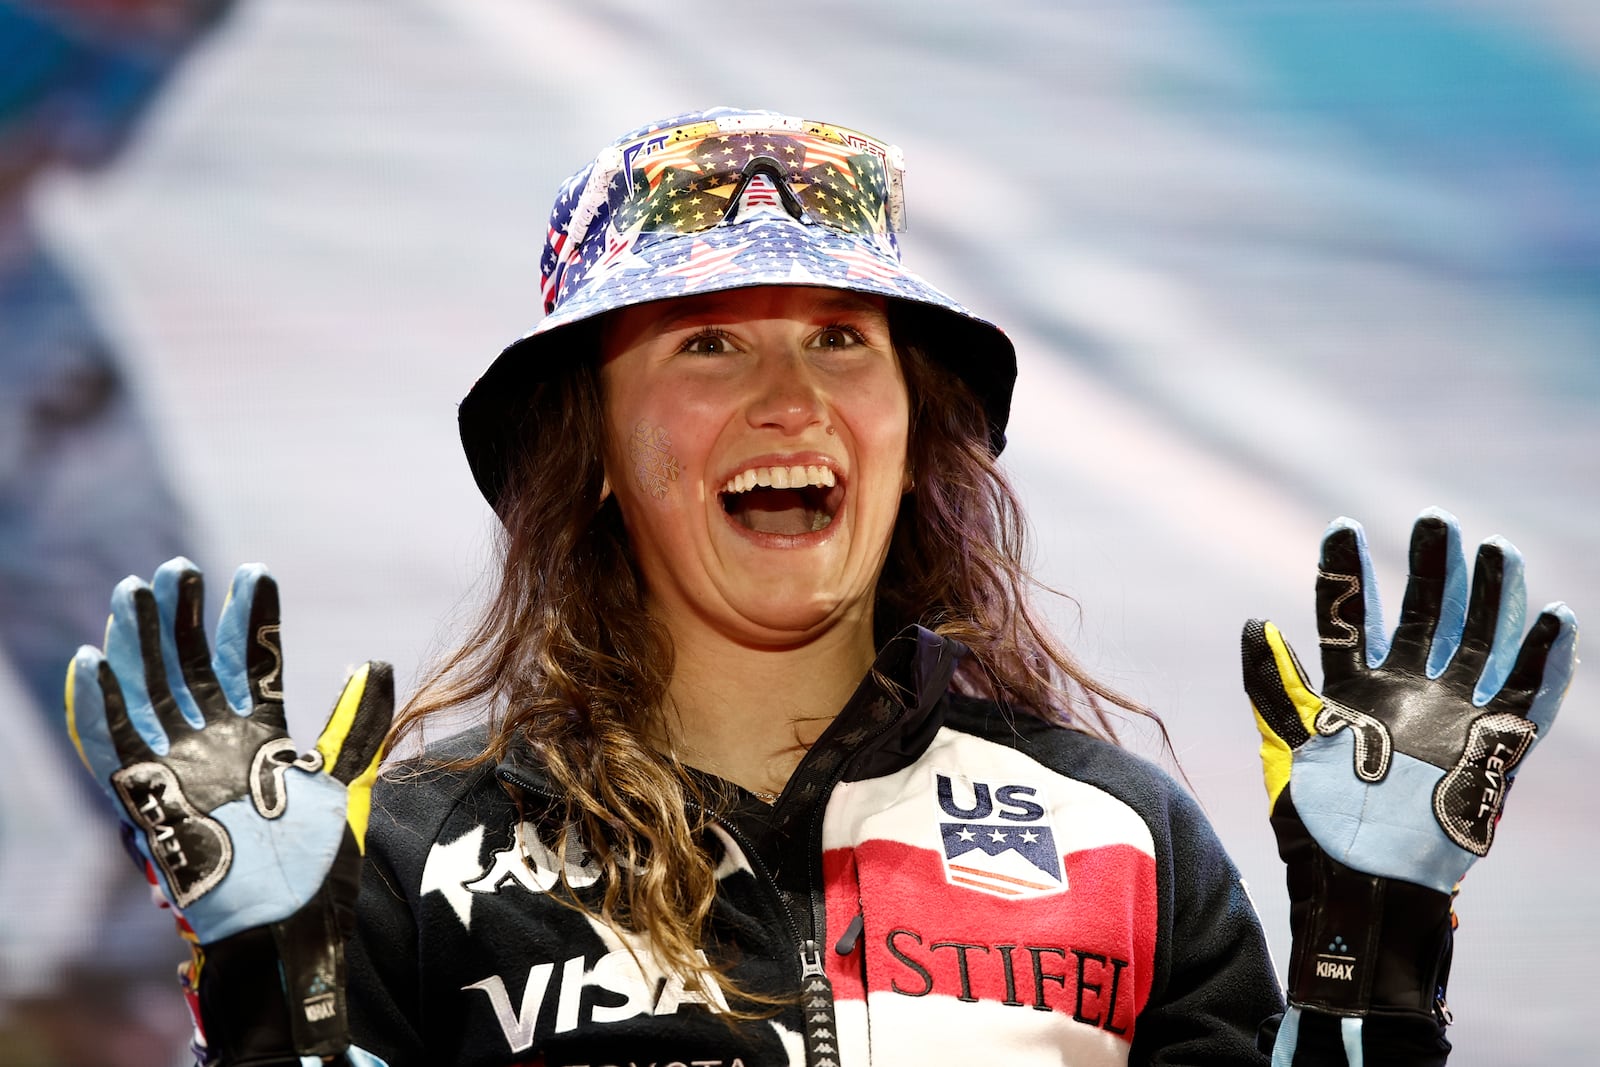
1362 944
1400 1040
274 993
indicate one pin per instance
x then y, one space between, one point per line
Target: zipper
816 1002
816 991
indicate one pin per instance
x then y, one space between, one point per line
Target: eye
838 337
712 341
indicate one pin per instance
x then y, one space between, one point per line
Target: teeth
796 477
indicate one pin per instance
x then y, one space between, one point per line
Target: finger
1543 669
354 734
1508 626
87 707
352 742
180 598
1559 664
1285 705
1495 616
97 718
1436 597
249 660
127 740
1349 616
133 651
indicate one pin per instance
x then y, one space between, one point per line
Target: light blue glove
257 847
1387 786
1400 766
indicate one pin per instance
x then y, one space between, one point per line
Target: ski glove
256 845
1388 785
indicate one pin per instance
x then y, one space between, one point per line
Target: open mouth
783 500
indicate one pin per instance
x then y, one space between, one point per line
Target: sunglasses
689 178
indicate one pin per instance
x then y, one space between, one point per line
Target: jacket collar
897 709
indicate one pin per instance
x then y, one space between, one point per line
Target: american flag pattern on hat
661 230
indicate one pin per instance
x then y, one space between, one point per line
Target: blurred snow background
1265 264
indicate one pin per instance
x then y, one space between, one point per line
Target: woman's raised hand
256 845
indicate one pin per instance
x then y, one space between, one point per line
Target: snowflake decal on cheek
654 465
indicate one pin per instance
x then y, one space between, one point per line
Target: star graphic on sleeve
1029 837
449 869
997 835
965 834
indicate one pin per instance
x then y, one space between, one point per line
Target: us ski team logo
997 838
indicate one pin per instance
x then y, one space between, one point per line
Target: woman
778 767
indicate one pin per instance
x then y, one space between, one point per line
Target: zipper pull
852 934
816 1005
811 964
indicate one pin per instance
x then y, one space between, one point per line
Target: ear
605 487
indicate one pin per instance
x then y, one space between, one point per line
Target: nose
786 397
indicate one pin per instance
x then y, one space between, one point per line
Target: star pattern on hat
706 260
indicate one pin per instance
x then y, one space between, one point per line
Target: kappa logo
997 838
455 871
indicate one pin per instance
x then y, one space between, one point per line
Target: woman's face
756 442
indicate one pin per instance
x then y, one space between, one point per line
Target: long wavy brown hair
571 665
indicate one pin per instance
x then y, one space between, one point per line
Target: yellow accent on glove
72 717
1276 755
332 741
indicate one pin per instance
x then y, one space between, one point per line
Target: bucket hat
715 200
